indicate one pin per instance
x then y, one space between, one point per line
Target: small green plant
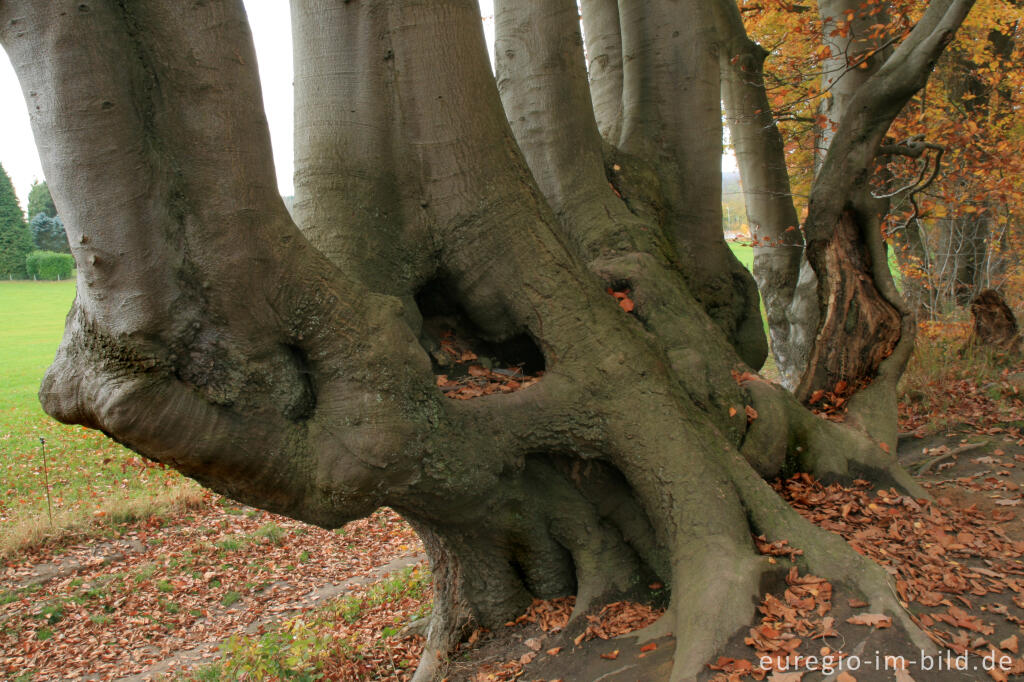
272 532
229 545
146 571
44 634
230 598
292 653
52 613
169 606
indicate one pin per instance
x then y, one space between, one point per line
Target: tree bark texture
784 278
287 364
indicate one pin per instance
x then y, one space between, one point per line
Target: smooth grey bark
672 121
542 80
604 64
211 334
784 278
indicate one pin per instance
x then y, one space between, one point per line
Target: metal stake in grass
46 481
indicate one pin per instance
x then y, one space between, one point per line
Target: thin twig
46 481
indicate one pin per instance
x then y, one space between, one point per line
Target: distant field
90 476
744 252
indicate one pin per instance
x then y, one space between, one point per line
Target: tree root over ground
955 576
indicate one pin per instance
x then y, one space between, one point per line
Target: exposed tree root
824 553
828 451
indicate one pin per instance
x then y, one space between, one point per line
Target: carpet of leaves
552 615
966 401
175 583
356 637
956 569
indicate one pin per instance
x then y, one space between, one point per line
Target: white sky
271 27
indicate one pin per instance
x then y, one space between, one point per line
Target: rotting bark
274 365
995 325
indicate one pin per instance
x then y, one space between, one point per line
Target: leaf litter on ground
175 584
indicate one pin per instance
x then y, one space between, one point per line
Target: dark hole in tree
456 344
302 405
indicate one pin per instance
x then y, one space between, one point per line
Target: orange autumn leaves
476 380
625 302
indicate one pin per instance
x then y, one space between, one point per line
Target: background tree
48 234
951 237
289 364
40 201
15 239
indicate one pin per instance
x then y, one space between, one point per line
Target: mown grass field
91 478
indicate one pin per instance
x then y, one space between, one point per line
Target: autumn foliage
959 232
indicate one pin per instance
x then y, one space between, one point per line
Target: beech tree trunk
784 278
287 364
863 331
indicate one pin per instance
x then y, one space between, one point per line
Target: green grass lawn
90 476
744 253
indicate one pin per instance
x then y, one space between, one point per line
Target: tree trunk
672 118
290 368
784 278
604 65
864 331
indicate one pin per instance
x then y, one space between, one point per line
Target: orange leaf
627 305
649 647
611 656
732 411
879 620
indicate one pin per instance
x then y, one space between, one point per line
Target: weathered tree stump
994 324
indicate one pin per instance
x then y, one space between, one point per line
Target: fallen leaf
879 620
611 656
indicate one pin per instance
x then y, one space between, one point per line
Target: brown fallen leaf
553 651
878 620
611 656
1010 644
845 677
651 646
